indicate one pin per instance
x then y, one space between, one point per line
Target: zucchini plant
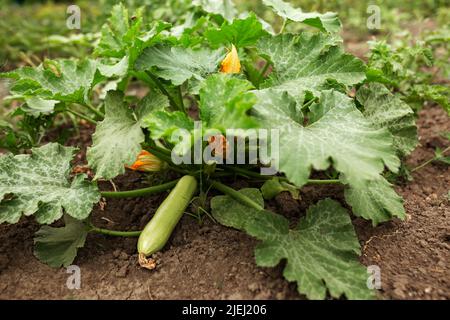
214 77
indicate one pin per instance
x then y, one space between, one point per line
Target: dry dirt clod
146 263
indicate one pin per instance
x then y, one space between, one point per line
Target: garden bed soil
204 260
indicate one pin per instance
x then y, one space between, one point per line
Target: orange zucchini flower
146 162
231 63
219 145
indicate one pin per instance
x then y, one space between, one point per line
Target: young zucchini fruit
157 232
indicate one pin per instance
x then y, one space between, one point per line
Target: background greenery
411 48
26 26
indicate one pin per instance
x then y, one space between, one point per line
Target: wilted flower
231 63
219 145
146 162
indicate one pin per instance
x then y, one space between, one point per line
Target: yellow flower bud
231 63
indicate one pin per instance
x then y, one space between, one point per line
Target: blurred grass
24 27
353 13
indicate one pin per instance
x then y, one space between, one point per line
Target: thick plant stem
82 116
283 26
165 92
247 173
143 76
139 192
114 233
325 181
180 97
162 155
97 112
165 156
236 195
264 70
252 174
429 161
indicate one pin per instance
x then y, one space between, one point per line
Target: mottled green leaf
119 69
241 32
117 139
58 246
271 188
306 62
337 134
111 42
431 92
384 110
376 201
439 155
225 101
225 8
62 80
321 251
328 21
176 127
124 37
179 64
39 184
163 123
37 106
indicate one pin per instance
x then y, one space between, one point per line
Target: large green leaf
225 8
321 251
62 80
117 139
385 110
37 106
241 32
179 64
39 184
225 101
112 33
337 134
165 124
328 21
376 201
123 37
271 188
224 104
118 69
58 246
307 62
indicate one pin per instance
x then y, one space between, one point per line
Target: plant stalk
94 110
236 195
82 116
165 92
248 173
283 26
263 71
429 161
114 233
180 97
139 192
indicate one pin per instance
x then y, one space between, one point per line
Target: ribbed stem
115 233
236 195
94 110
139 192
429 161
165 92
253 174
82 116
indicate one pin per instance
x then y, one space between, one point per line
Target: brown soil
208 261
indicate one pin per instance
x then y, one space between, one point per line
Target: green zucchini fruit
157 232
